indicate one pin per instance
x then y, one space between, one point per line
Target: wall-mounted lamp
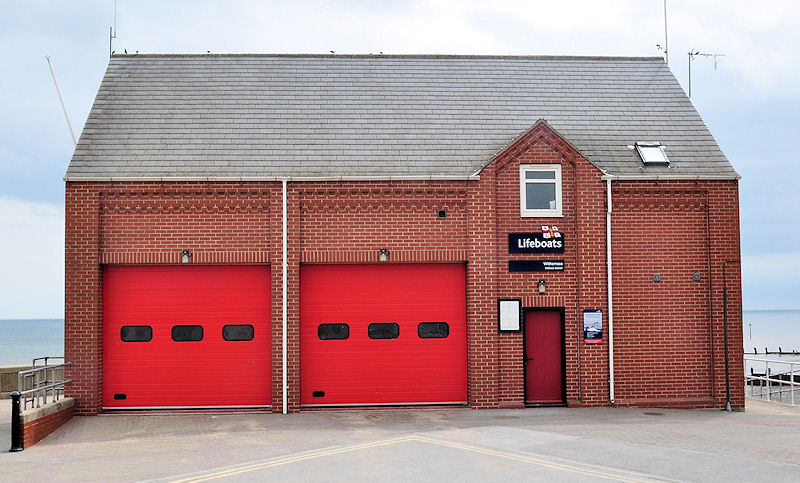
542 286
186 256
383 255
656 277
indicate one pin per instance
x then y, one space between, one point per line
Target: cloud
32 259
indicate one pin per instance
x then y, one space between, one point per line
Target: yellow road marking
293 459
588 470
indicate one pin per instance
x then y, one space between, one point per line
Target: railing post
791 382
16 430
769 382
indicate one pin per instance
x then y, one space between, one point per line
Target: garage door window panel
433 330
383 330
187 333
239 332
136 333
333 331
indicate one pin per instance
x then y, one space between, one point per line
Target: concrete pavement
552 444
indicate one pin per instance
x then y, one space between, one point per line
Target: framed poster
509 314
593 326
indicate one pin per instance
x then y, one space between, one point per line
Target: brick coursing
668 335
34 431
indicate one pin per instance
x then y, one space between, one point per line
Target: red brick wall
36 430
668 331
82 289
141 223
668 336
348 222
580 286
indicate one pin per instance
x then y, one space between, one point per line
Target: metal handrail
773 379
45 359
55 385
36 384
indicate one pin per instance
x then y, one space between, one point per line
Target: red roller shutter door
162 372
360 370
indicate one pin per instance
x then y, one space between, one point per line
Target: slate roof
268 116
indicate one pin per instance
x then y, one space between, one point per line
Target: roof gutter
473 177
672 177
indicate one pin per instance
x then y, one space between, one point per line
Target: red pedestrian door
544 366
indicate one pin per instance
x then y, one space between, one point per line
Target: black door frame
561 311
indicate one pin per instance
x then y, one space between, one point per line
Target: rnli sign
550 240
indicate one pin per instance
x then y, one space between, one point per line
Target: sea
23 340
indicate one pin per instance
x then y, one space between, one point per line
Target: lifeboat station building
316 231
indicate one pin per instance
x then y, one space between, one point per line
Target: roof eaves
100 179
672 177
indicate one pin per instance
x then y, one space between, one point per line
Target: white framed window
540 190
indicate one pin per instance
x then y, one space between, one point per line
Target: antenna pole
692 54
666 40
61 99
112 31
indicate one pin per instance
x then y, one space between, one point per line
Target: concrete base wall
37 423
8 380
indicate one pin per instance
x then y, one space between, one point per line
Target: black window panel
384 330
187 333
333 331
433 330
136 333
238 332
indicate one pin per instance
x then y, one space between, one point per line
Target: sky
750 101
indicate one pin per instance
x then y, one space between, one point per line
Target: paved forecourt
553 444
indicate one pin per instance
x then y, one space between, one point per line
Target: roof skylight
652 153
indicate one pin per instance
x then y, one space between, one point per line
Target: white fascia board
269 178
672 177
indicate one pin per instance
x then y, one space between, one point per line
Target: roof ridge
401 56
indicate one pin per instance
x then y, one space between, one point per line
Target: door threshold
546 405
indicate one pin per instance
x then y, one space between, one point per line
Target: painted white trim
611 395
670 177
270 178
188 408
523 182
400 405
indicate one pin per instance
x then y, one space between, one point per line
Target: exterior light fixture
656 277
186 256
542 286
383 255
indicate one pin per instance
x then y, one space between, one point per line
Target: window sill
542 214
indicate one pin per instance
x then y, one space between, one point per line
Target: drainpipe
285 266
610 297
725 332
